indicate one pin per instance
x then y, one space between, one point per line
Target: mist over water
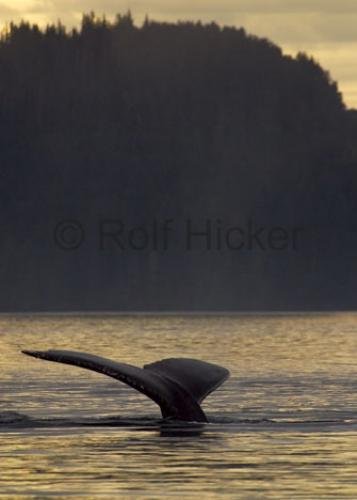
284 424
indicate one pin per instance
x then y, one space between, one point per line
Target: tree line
170 120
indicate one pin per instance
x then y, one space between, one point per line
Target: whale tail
177 385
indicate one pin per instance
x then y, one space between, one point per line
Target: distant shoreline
177 313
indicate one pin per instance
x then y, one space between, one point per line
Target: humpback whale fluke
177 385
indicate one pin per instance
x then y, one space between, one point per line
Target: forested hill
171 121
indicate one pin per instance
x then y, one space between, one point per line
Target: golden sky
325 29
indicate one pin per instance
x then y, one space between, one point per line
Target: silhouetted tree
164 121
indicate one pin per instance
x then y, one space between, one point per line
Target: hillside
171 121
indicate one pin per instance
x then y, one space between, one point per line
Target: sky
325 29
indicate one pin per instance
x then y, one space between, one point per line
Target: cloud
205 7
286 20
7 12
309 27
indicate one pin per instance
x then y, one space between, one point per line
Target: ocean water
283 426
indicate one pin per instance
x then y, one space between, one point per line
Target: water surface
283 426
